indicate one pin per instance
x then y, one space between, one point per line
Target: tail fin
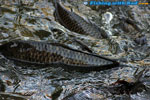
55 2
124 65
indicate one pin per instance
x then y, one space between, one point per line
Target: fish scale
75 23
55 54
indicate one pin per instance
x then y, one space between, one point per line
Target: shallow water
33 19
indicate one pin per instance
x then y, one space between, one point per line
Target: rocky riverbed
128 28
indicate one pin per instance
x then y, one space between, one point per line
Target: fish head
9 47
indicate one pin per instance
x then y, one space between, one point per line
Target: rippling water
34 20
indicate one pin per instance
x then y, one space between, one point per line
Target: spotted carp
56 55
75 23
